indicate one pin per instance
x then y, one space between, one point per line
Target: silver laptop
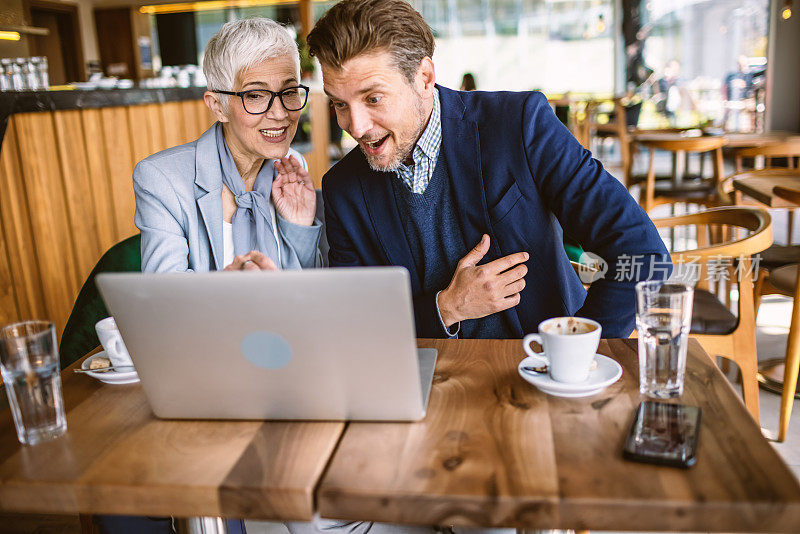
331 344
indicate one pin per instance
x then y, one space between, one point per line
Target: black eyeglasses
258 101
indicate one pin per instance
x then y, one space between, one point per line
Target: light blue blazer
179 211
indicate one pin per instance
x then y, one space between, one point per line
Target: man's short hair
355 27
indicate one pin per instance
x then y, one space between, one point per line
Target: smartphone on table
664 433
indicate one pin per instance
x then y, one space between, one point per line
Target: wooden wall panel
190 119
9 311
174 131
97 156
22 262
117 137
43 186
156 126
318 159
80 203
141 137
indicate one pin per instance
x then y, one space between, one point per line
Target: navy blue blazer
521 177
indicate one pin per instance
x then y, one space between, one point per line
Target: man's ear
213 103
426 75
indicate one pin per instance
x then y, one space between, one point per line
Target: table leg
681 166
206 525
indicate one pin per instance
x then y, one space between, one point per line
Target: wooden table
745 140
118 458
491 451
760 187
734 140
494 451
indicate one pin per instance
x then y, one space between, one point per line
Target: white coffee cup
112 342
570 344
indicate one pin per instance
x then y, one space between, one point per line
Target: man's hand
480 291
252 261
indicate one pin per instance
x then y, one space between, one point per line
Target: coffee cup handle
118 350
526 343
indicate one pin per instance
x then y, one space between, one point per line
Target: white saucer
110 377
606 373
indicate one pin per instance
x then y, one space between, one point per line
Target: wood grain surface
734 140
118 458
47 208
494 451
25 279
760 188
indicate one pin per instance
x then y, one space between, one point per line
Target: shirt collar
431 139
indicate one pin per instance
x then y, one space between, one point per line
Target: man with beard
472 192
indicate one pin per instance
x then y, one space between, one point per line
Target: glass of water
663 320
29 366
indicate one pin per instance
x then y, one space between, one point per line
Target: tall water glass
29 366
663 320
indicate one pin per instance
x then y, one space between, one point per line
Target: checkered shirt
417 175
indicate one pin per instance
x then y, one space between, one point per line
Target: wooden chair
730 197
700 191
789 149
775 256
634 178
786 281
618 127
719 331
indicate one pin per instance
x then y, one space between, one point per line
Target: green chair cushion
573 249
79 336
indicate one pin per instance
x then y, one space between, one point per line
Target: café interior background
558 46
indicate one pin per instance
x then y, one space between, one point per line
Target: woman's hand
252 261
293 193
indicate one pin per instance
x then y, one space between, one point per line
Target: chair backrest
775 149
686 144
789 195
720 247
725 187
79 336
788 148
756 221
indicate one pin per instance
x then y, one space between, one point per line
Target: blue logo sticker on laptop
266 350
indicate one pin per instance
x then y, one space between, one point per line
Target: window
553 45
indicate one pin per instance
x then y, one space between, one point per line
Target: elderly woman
238 197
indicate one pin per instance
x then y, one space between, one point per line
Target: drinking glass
29 366
663 320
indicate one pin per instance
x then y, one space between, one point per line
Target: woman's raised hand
293 193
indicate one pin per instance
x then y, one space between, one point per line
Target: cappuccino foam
568 326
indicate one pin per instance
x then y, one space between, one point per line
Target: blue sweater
437 243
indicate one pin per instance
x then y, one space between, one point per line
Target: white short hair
242 44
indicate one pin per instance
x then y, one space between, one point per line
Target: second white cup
112 342
570 344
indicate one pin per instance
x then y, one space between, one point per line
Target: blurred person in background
737 89
468 82
667 95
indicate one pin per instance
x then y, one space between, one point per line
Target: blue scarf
252 222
